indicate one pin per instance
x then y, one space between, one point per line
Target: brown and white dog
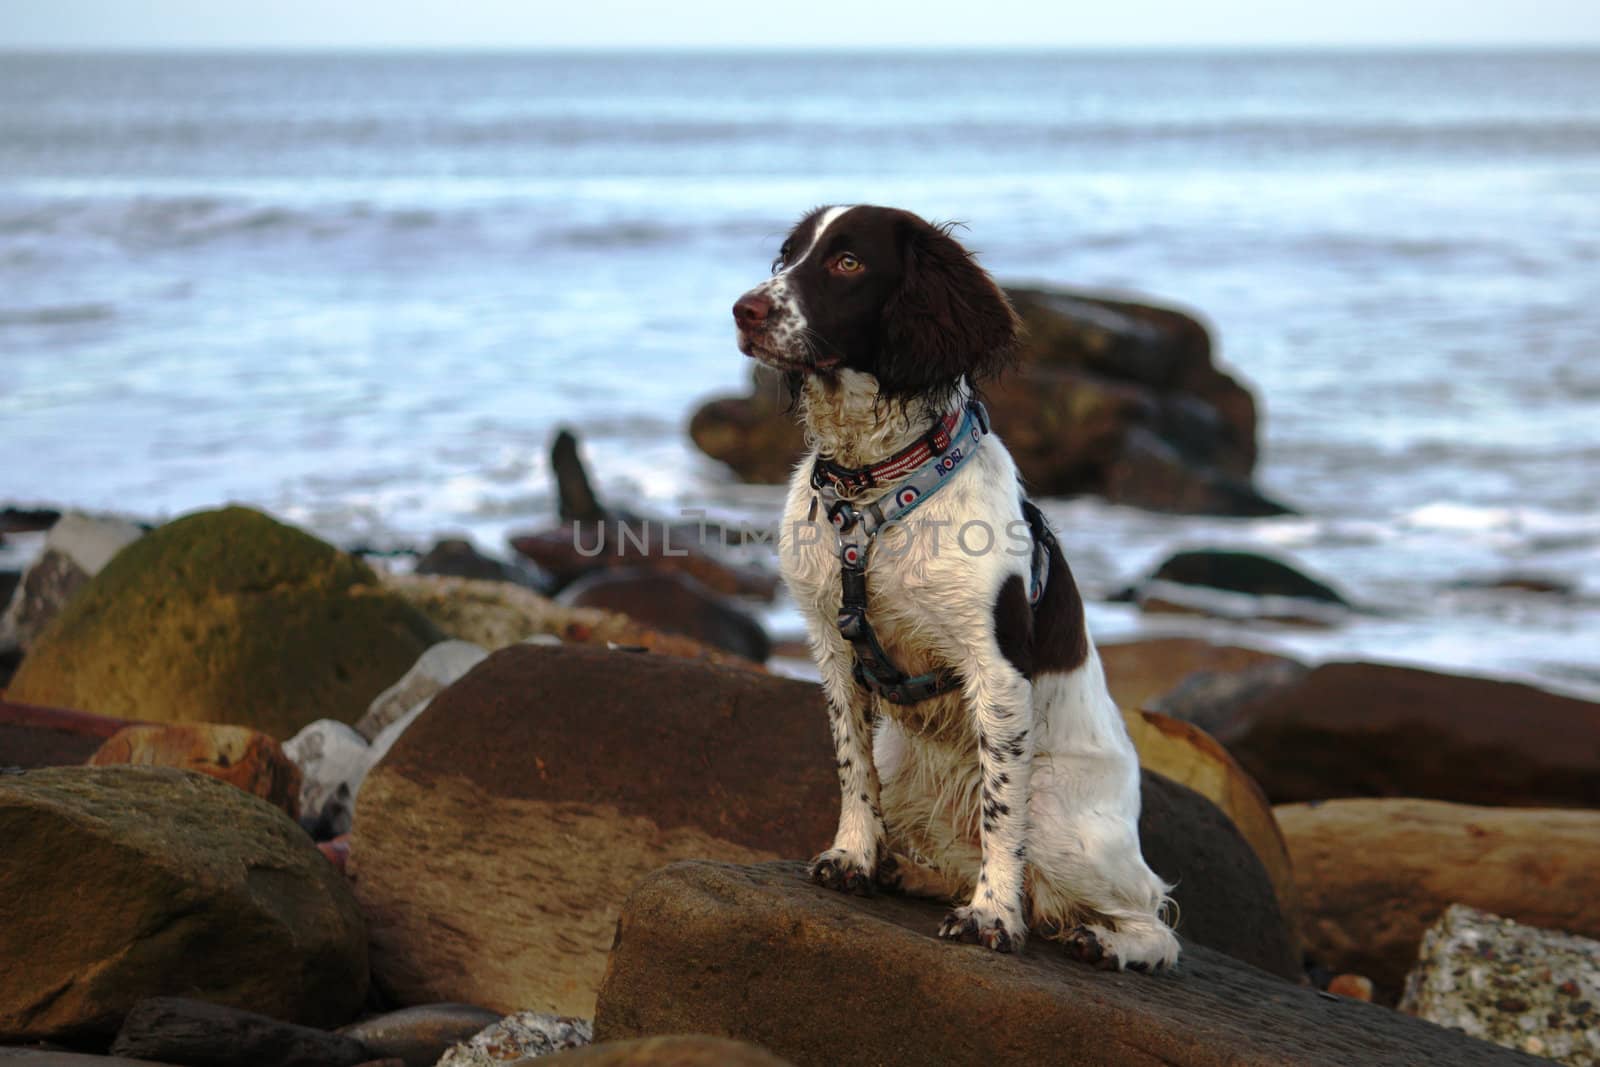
1018 791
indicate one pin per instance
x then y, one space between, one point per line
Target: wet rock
1190 757
1354 986
22 1057
684 1050
760 955
1515 582
434 670
199 1034
77 548
674 603
244 758
178 884
1211 700
1243 572
494 842
1374 874
1142 673
577 497
496 614
418 1037
226 616
1365 729
27 520
1518 986
32 736
457 558
1110 397
333 760
518 1038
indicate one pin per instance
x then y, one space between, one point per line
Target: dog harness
921 470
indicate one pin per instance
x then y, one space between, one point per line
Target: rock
1355 986
438 667
1210 701
237 755
226 616
333 760
1141 673
684 1050
338 852
520 1037
572 550
22 1057
194 1032
496 614
494 842
1374 874
1110 397
457 558
1518 986
27 520
1190 757
418 1036
760 955
1518 582
178 884
1243 572
1364 729
51 737
77 548
577 497
674 603
1225 896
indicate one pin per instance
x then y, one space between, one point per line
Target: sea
363 291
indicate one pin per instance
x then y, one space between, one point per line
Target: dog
980 756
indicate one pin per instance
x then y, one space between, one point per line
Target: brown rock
1191 757
571 550
674 603
1110 397
195 1032
1354 986
1374 874
121 883
684 1050
493 843
417 1037
760 955
1364 729
242 757
32 736
1141 672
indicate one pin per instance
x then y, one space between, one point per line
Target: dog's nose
751 311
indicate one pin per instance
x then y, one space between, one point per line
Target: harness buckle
843 515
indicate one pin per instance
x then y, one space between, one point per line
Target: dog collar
825 472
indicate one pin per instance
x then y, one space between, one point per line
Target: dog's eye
777 264
783 257
846 263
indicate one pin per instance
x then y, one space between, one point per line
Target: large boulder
1142 672
1515 985
1365 729
121 883
244 758
493 843
1374 874
1188 756
675 603
681 1050
226 616
760 955
1111 397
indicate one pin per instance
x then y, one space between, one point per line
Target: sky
531 24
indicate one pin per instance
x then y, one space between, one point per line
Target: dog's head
880 291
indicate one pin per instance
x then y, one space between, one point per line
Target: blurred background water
363 291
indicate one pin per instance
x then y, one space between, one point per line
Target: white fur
914 785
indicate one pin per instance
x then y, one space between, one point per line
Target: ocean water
363 291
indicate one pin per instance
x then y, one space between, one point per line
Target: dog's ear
948 318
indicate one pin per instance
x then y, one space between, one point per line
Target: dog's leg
1001 706
859 854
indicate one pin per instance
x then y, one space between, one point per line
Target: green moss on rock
226 616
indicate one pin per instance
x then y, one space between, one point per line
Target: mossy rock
228 617
121 883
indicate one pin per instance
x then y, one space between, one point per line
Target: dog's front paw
838 870
991 929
